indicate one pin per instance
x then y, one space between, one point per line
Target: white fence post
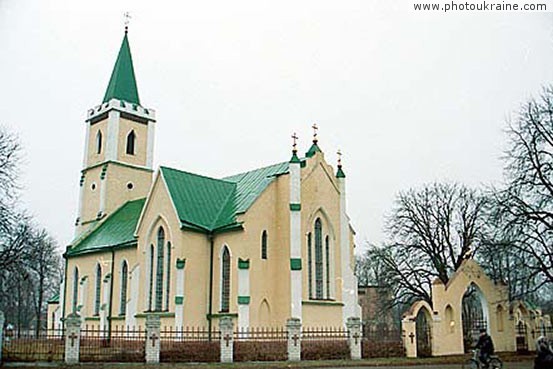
226 326
293 326
72 338
354 337
153 337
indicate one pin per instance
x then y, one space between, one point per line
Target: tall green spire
122 84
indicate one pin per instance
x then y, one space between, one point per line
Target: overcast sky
408 97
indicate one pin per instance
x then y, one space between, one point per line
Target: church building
261 246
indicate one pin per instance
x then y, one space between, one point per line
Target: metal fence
25 346
190 344
260 344
120 344
324 344
382 341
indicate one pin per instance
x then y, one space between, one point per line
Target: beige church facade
261 246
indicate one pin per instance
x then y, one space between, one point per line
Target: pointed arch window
124 279
264 245
225 280
131 138
327 262
319 259
159 269
75 301
168 277
151 279
97 289
309 266
99 142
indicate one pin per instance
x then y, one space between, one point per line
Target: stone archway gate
446 313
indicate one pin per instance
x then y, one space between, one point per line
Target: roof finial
315 128
127 17
294 138
340 173
339 153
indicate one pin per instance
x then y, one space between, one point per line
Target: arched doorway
424 333
474 315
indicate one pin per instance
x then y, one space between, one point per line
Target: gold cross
295 138
339 153
315 128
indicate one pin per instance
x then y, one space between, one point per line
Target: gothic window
309 266
225 280
97 290
131 138
75 289
318 259
168 280
264 245
124 279
327 261
159 270
99 142
151 279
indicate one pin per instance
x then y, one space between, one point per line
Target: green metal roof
116 231
211 205
250 185
122 84
203 203
312 150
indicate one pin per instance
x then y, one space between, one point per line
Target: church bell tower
118 153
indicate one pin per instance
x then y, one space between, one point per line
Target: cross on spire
295 139
315 128
339 153
127 17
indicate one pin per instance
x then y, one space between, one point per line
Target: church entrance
474 316
424 333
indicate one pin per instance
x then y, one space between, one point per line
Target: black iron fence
27 345
120 344
382 341
324 344
261 344
189 344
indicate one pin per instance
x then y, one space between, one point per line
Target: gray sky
408 97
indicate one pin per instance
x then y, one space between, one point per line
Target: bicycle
475 363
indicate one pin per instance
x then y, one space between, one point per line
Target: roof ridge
255 169
196 174
230 197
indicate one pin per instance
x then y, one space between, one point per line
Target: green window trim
243 300
179 300
295 207
243 264
295 264
181 263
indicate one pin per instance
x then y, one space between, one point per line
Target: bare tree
526 203
430 232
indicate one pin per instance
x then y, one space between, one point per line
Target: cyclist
485 345
544 360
